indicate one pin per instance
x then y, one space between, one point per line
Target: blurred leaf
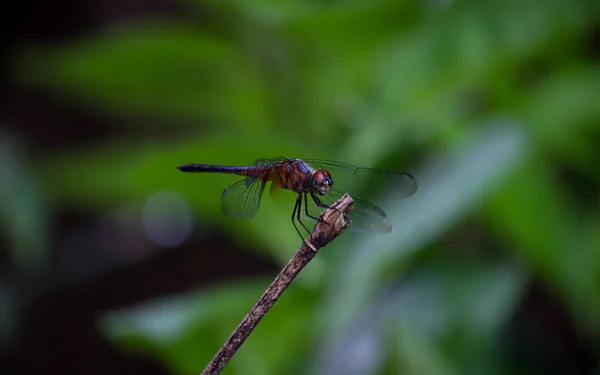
23 217
469 47
561 109
414 355
153 69
444 317
186 331
534 216
446 191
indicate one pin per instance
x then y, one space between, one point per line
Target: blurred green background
112 261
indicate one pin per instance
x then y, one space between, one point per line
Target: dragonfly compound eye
321 181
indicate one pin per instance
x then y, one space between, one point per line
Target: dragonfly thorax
320 181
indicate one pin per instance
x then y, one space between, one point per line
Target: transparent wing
284 198
242 199
358 181
270 161
366 217
309 210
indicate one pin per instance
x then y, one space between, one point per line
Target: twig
335 222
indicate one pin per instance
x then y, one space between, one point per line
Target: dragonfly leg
320 203
296 215
308 214
299 212
293 219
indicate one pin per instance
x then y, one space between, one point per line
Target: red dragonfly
317 184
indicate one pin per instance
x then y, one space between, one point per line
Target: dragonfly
317 184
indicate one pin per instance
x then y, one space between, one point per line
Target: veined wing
242 199
270 161
284 198
358 181
366 217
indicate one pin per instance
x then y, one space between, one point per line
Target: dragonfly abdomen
243 171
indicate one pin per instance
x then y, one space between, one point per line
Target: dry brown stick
335 222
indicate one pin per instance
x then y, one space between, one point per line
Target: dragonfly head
321 181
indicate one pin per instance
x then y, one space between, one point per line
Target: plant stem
333 224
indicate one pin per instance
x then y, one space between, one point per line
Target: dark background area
56 332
